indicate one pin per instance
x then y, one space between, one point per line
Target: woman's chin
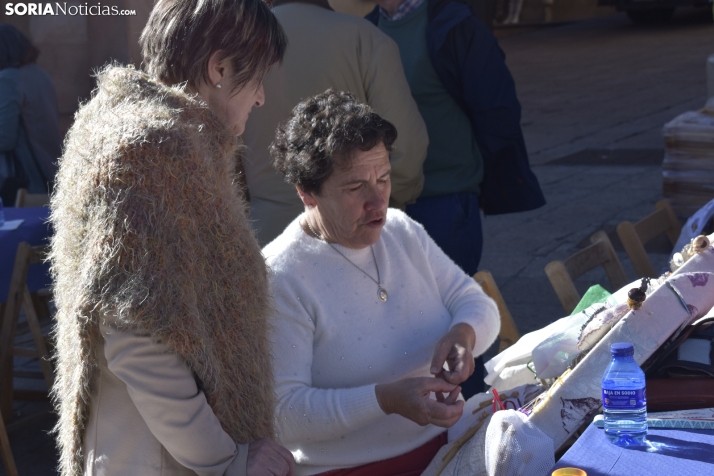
238 130
371 235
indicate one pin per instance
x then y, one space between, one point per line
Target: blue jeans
454 223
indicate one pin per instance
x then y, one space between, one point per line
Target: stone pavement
606 83
595 96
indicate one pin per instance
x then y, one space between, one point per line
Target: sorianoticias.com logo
65 8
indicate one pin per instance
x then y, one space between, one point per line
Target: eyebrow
353 182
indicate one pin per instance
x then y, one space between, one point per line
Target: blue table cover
669 452
36 231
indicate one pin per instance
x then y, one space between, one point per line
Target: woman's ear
216 69
307 197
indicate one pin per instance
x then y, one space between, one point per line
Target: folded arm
166 395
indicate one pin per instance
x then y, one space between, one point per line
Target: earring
310 206
218 85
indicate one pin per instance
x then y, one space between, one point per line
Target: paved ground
595 95
606 83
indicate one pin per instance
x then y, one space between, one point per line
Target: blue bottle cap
622 349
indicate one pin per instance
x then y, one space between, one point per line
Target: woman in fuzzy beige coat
163 361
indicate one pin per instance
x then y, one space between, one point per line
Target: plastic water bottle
624 398
2 214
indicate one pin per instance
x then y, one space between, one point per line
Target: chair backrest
6 450
600 253
23 199
19 297
634 237
509 334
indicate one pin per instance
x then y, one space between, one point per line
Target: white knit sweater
333 339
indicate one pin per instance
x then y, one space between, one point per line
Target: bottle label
624 399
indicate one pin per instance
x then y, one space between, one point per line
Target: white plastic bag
501 372
509 368
464 454
552 356
516 447
556 351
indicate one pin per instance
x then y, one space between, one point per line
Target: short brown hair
324 131
181 36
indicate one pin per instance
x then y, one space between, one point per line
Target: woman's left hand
455 349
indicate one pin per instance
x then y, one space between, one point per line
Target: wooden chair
26 200
6 450
562 273
23 199
19 297
509 334
634 237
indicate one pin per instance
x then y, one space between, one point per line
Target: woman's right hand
410 399
267 458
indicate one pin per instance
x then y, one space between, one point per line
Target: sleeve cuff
362 401
486 326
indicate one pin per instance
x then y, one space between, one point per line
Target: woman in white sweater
368 309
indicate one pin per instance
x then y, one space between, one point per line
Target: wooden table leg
5 386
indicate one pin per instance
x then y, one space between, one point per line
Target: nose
260 96
376 199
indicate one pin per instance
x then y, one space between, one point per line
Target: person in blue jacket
477 157
30 138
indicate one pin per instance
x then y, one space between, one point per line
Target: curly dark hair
324 131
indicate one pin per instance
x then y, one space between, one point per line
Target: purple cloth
406 7
36 231
669 452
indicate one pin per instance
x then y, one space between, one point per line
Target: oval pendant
382 294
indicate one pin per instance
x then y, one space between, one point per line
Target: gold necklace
381 292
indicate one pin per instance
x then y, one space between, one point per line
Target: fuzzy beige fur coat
150 229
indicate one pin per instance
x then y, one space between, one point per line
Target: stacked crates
688 166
